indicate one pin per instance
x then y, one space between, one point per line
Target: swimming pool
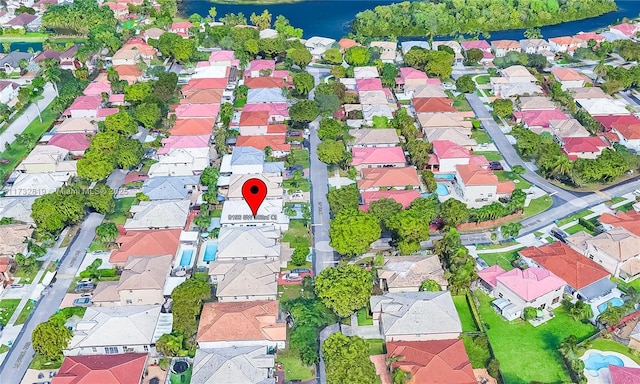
185 259
443 176
615 302
210 251
442 190
597 361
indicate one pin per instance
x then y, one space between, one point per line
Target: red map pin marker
254 191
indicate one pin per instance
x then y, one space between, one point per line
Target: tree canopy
353 231
188 298
347 360
331 151
343 198
304 111
357 56
344 289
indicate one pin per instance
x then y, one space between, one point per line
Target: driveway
27 116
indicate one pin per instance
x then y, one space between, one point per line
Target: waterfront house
502 47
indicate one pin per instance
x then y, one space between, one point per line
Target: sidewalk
11 331
27 116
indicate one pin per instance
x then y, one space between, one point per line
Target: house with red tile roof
377 157
517 289
264 82
625 29
479 186
587 36
345 44
403 197
252 123
181 28
435 361
184 141
410 78
208 83
629 220
197 111
476 44
628 134
192 127
241 324
584 147
566 44
447 155
6 277
502 47
127 368
278 112
155 242
624 375
120 10
374 84
570 78
84 106
76 143
131 73
373 179
147 52
97 88
433 104
538 120
223 58
607 121
202 96
255 66
585 278
277 143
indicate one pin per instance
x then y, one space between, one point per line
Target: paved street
29 115
19 356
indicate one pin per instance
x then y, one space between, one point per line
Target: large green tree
107 232
300 57
347 360
101 199
303 82
357 56
121 123
331 129
188 298
408 230
129 153
465 84
50 338
343 198
304 111
454 212
344 289
502 107
331 151
353 231
137 92
384 209
148 114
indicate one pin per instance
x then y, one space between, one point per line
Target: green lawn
7 308
480 136
527 353
490 155
304 185
376 346
626 207
27 276
240 102
364 318
299 157
297 235
27 37
613 346
289 292
615 200
293 367
634 283
177 378
122 207
503 259
478 352
577 228
538 205
574 217
497 246
3 348
24 314
462 306
461 104
483 79
507 175
146 165
17 152
41 362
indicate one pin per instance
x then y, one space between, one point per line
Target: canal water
332 18
23 46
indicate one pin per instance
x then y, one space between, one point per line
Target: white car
636 192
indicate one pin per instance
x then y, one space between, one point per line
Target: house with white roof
272 181
387 50
115 330
416 316
244 161
318 45
365 73
238 214
18 208
8 91
37 184
48 159
245 280
165 214
181 162
170 187
604 107
265 95
233 365
244 243
406 273
374 137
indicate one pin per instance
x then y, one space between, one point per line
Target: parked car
495 166
82 302
559 234
294 133
301 270
291 170
292 277
636 192
481 264
4 161
84 287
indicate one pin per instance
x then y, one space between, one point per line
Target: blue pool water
597 361
615 302
185 259
442 190
443 176
210 251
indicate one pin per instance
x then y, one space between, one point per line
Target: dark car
82 302
291 170
300 270
495 166
559 234
4 161
84 287
294 133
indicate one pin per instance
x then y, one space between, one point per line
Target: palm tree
52 75
569 347
6 46
580 310
268 151
562 165
600 70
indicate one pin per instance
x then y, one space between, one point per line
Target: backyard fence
488 224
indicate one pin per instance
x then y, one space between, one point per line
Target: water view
332 18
